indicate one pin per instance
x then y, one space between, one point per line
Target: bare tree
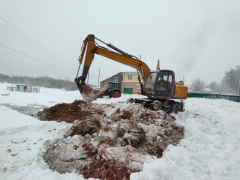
197 85
231 80
216 87
40 81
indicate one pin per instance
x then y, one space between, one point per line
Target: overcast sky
194 38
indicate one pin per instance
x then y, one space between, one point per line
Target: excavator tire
174 107
156 105
168 109
130 100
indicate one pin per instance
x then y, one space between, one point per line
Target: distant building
11 88
128 82
24 88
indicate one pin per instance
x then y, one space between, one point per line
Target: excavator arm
89 46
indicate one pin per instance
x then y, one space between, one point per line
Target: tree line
230 84
40 81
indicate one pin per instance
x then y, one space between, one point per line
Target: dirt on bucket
90 94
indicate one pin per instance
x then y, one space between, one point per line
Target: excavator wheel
168 109
174 107
156 105
130 100
116 94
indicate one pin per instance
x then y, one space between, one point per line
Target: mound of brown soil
107 169
109 141
77 110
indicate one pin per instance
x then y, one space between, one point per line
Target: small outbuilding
24 88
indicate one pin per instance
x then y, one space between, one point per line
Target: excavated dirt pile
68 112
109 141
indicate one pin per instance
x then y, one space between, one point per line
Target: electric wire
26 45
44 62
35 58
35 41
22 40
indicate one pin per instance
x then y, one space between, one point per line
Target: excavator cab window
164 84
149 83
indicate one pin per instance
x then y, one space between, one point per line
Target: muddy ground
109 141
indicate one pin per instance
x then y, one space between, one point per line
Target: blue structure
24 88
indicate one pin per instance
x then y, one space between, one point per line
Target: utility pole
158 65
238 82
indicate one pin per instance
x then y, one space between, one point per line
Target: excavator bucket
89 94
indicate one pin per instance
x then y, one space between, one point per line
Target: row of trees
230 84
40 81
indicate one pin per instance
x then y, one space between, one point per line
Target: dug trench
109 141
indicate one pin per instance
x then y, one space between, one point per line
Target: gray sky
194 38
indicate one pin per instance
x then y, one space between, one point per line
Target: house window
138 86
115 79
129 77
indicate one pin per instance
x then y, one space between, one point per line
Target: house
128 82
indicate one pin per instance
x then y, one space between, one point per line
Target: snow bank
210 149
22 146
47 97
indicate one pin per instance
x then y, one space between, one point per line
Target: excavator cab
160 84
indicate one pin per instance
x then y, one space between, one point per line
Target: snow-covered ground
210 149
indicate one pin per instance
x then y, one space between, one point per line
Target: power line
35 58
23 43
35 41
21 39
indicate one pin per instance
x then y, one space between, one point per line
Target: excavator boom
89 49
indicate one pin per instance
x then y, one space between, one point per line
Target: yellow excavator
160 87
